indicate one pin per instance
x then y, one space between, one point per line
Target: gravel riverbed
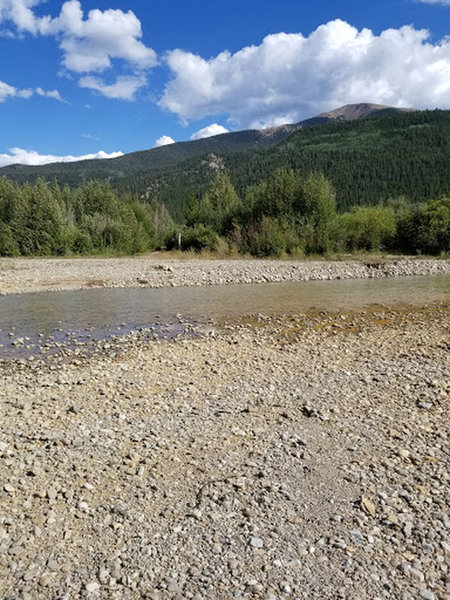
301 457
18 275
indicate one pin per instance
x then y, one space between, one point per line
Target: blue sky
96 78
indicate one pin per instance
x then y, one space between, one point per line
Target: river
27 320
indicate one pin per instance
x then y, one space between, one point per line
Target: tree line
286 213
43 219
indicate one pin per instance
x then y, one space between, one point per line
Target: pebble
417 575
233 564
51 493
92 587
427 594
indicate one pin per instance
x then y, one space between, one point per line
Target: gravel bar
283 458
19 275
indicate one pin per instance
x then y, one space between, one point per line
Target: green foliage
38 224
268 239
8 245
217 208
96 197
294 214
8 200
288 213
368 161
318 203
193 212
364 228
42 219
317 209
199 237
78 241
285 212
432 226
280 197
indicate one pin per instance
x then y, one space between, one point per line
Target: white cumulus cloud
289 77
9 91
164 140
90 43
124 88
20 13
209 131
31 157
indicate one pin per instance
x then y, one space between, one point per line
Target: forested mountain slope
131 171
367 161
369 153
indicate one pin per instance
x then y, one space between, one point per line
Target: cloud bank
289 77
286 78
209 131
31 157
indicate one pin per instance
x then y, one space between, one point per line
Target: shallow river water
98 313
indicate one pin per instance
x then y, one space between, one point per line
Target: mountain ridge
362 110
167 156
384 153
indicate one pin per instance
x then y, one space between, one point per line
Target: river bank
273 458
21 275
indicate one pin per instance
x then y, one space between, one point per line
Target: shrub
198 238
217 208
8 246
78 242
268 239
363 228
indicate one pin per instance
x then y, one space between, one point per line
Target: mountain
353 112
369 152
388 155
156 160
368 160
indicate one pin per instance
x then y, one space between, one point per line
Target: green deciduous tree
318 203
279 197
218 206
432 226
